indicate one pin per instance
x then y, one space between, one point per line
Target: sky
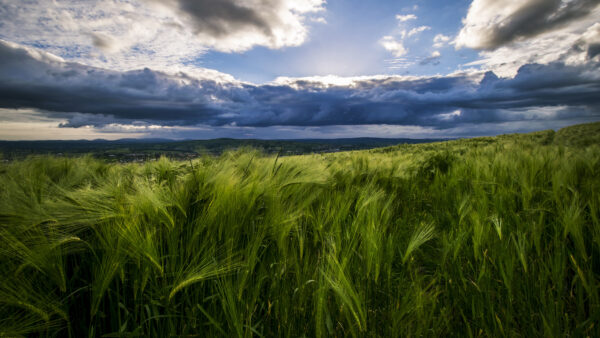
286 69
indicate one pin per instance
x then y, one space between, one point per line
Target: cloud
590 42
29 124
159 34
407 17
440 40
106 43
491 24
573 45
394 46
319 19
415 31
120 35
433 59
565 31
230 25
82 96
394 43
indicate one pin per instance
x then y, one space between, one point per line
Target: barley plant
495 236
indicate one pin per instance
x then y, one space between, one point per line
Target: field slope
495 236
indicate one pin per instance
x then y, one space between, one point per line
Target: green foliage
580 135
436 164
481 237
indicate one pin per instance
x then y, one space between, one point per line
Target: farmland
493 236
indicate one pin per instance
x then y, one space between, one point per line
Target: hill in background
132 150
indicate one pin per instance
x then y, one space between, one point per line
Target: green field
496 236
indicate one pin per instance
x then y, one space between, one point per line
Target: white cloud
449 116
503 29
434 59
329 81
235 26
401 63
571 44
163 35
407 17
440 40
394 42
319 20
493 23
590 41
416 31
105 33
394 46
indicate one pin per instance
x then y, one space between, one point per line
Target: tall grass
482 237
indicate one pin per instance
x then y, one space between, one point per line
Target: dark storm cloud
92 96
593 50
485 29
220 18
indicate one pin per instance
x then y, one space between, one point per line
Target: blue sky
348 44
197 69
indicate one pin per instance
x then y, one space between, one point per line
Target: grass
494 236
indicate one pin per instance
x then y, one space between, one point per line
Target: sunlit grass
483 237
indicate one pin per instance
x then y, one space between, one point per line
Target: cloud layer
159 34
492 23
512 33
88 96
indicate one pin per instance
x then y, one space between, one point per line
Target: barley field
494 236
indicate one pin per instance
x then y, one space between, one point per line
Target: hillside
492 236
